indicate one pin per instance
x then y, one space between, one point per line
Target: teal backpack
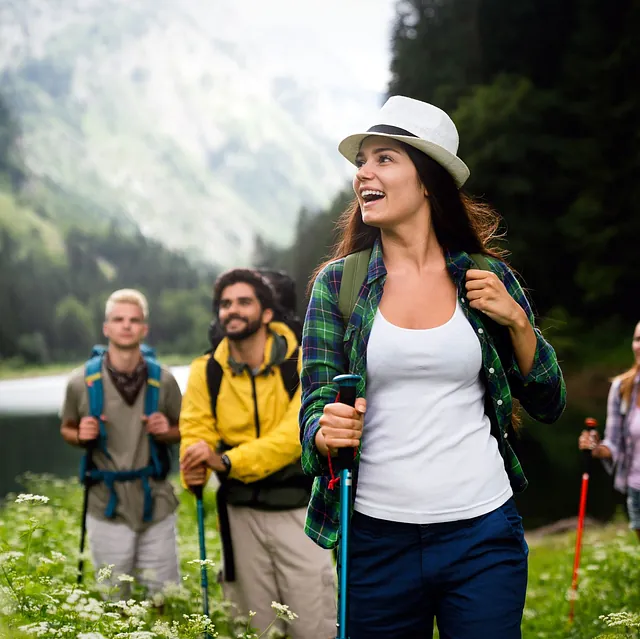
159 458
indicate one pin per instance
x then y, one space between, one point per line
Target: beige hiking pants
276 561
150 556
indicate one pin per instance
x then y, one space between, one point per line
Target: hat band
392 130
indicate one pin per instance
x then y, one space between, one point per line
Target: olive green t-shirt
128 446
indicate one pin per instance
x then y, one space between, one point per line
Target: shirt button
492 370
480 331
499 402
462 300
505 435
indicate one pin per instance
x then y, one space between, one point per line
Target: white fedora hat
422 125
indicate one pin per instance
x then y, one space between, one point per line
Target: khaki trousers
150 556
276 561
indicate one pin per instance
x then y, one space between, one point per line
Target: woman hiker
620 449
442 345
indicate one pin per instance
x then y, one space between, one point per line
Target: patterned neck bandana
128 384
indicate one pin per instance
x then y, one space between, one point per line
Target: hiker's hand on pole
196 455
88 429
487 293
156 424
340 427
590 440
195 476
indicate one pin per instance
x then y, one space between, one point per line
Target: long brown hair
627 378
460 222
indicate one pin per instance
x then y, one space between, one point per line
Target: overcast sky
339 46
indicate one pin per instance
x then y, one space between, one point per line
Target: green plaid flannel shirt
328 349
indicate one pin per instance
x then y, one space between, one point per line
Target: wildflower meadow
39 597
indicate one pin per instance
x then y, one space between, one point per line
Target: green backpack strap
354 274
481 261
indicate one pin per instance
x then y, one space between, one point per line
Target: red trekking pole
591 424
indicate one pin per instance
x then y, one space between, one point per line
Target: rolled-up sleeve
542 392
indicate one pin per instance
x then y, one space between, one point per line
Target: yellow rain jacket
254 456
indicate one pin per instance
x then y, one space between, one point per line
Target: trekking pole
86 465
347 395
591 425
204 581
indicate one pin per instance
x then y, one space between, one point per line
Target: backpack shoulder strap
214 379
354 274
152 396
93 382
290 374
151 405
481 261
95 392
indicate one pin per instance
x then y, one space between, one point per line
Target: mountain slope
143 112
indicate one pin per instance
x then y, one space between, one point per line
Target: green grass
38 561
37 583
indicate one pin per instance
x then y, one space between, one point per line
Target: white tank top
428 455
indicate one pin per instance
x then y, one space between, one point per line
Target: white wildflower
23 498
158 599
572 595
202 562
105 572
11 555
126 578
91 635
163 629
622 619
283 611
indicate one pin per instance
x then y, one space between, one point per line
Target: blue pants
470 575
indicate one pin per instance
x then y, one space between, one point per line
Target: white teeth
370 192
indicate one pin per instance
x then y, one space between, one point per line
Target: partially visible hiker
123 408
620 448
240 419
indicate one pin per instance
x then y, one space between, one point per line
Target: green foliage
609 573
73 323
38 558
547 125
39 538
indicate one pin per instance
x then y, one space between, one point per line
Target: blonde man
123 408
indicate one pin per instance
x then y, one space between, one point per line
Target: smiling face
240 312
387 185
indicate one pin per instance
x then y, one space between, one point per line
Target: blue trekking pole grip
348 394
